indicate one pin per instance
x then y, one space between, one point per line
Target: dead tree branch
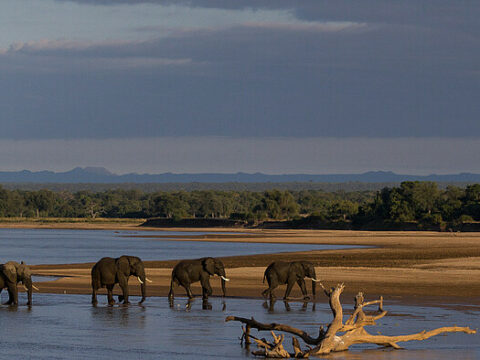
252 323
351 332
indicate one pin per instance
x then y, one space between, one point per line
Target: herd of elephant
109 271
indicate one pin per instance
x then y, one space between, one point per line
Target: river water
68 327
52 246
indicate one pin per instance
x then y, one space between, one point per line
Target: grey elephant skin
280 273
12 273
109 271
187 272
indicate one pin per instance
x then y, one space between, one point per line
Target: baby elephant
280 272
187 272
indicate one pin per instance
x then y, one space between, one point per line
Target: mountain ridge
102 175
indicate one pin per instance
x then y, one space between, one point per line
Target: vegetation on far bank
422 204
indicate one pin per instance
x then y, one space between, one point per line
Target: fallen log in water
338 336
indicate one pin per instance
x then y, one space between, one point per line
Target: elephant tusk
36 288
224 278
148 280
25 287
139 280
315 280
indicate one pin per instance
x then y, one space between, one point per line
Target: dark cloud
388 11
371 79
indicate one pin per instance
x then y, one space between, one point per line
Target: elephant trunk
143 285
29 287
224 279
143 288
223 287
314 280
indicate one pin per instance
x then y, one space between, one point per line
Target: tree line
411 201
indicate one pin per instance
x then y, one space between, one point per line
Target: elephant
280 272
12 273
187 272
109 271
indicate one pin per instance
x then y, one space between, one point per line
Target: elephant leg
110 294
12 294
272 285
171 293
301 284
188 290
266 292
94 295
290 283
124 286
269 291
206 288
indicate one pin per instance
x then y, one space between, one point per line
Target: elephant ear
10 271
308 268
23 272
136 265
297 269
209 265
123 265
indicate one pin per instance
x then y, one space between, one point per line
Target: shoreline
404 266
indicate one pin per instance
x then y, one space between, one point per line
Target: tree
277 204
42 202
420 195
343 210
170 206
472 201
449 203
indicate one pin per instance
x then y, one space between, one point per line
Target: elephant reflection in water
270 305
206 305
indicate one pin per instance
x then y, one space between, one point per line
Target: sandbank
443 267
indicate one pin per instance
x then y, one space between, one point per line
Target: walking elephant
109 271
187 272
280 272
12 273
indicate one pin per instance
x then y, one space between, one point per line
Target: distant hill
99 175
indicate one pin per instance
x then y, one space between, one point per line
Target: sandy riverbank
398 265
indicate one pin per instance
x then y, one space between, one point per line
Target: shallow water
67 326
52 246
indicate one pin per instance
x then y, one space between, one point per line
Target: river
68 327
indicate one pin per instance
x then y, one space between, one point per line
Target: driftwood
338 336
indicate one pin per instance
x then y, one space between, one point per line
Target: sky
284 86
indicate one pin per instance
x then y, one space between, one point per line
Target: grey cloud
446 12
375 80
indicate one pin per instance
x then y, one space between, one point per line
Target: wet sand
408 266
